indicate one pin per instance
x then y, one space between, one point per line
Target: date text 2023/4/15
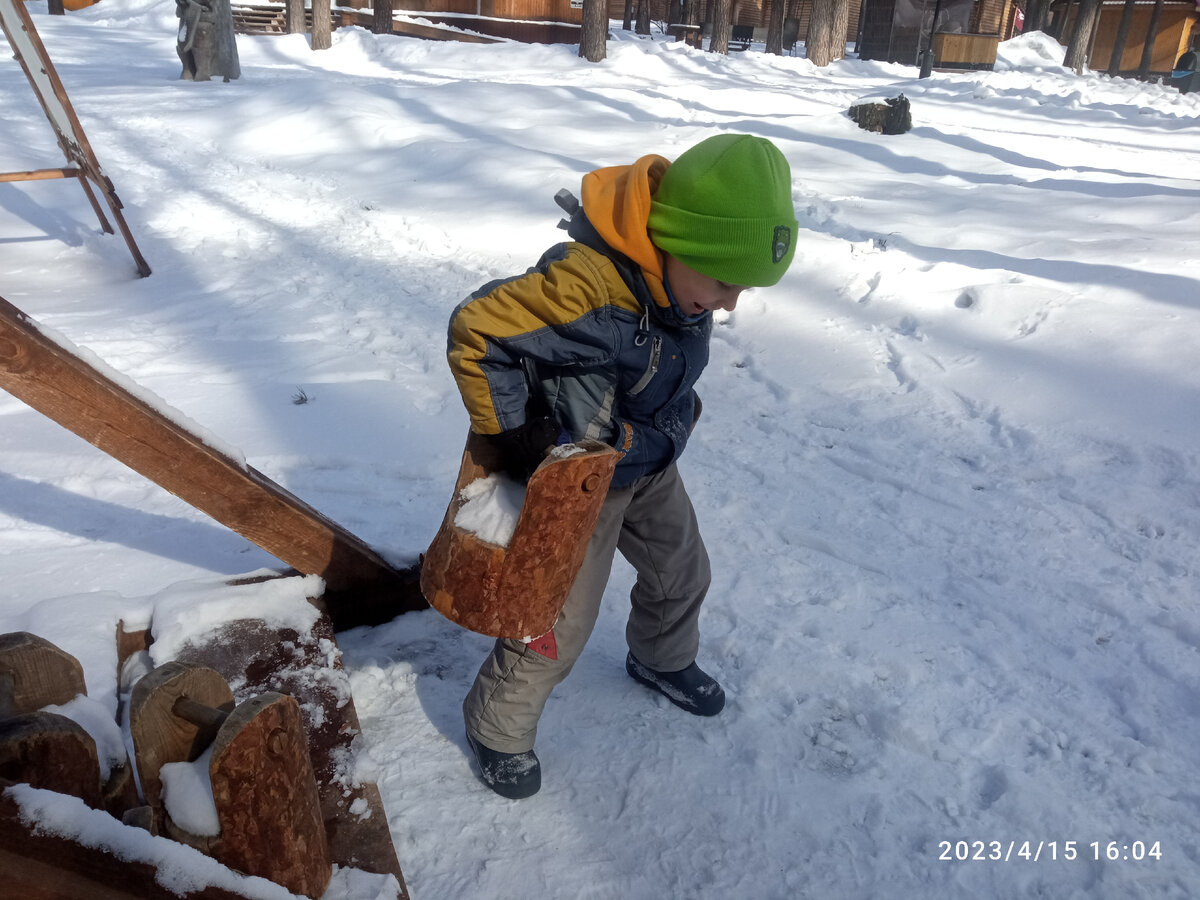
1037 851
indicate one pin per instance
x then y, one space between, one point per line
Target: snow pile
189 612
1030 51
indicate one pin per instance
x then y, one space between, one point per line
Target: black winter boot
512 775
691 688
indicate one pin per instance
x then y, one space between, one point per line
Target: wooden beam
36 865
362 588
39 174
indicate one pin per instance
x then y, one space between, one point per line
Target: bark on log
266 797
517 592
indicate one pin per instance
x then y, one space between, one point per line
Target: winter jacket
591 335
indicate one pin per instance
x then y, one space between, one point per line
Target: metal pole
927 56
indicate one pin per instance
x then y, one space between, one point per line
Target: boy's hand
522 449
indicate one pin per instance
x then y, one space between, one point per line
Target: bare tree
722 28
643 17
1151 39
1081 35
1118 50
593 33
1035 15
322 24
827 31
775 27
381 23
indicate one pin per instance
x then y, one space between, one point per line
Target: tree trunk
627 21
691 16
827 31
1035 16
1118 50
593 35
643 17
674 12
322 27
382 23
775 27
1151 35
293 17
722 27
1081 35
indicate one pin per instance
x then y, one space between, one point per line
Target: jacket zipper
655 354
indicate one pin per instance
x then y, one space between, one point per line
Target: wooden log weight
160 734
261 773
518 591
50 751
301 665
36 673
266 797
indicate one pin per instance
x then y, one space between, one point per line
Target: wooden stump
891 116
518 591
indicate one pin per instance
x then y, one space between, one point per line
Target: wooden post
361 586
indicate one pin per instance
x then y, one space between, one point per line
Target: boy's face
696 293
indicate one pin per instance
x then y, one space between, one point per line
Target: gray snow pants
653 524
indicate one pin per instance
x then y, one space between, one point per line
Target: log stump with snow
890 116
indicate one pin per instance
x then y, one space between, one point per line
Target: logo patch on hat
781 242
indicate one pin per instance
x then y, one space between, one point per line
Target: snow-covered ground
947 470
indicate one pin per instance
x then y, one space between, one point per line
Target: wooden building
529 21
749 13
1177 22
966 35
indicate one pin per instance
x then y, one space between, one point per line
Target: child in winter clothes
604 339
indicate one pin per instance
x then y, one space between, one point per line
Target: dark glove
522 449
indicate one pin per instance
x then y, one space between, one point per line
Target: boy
604 339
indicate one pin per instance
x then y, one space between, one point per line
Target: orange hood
617 203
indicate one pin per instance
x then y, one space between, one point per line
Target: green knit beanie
724 209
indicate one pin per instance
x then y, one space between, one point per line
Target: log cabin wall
1177 22
746 12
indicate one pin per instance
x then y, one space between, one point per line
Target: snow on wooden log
518 590
53 847
53 377
257 657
